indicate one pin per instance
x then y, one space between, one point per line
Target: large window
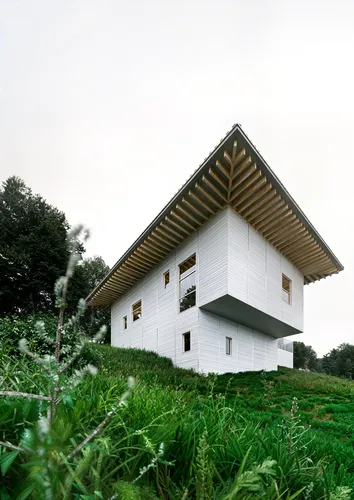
187 283
286 289
186 341
137 312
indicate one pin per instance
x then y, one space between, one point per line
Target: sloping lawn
183 435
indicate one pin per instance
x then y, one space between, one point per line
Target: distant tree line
34 253
338 362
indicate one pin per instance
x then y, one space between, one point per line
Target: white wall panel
238 258
255 276
232 259
213 259
250 350
285 358
161 327
273 281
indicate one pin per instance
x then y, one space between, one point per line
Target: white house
217 278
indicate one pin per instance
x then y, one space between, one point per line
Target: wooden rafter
209 197
263 202
183 221
288 232
297 238
248 192
139 262
218 179
316 252
271 207
276 233
248 175
132 271
200 202
109 294
178 226
145 253
235 180
122 282
160 242
214 188
274 212
278 223
239 168
138 255
195 209
166 227
149 248
323 260
188 215
163 230
109 287
305 249
222 168
137 265
257 196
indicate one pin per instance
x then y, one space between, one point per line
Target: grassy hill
275 435
323 404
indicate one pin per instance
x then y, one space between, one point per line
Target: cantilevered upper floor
234 175
243 278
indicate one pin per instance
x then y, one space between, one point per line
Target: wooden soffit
234 174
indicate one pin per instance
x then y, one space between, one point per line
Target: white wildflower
81 307
101 333
43 427
22 345
58 287
92 370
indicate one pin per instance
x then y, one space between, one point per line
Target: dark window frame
187 345
228 346
137 315
287 289
166 278
182 275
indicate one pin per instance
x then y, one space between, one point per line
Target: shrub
12 330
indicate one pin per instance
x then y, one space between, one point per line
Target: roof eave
235 132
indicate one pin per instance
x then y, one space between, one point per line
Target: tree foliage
304 356
340 361
88 274
33 249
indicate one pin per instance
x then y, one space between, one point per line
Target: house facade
216 281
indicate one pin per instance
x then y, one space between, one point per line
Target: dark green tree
88 274
33 249
304 356
340 361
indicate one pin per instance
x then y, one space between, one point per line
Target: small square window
187 341
286 289
137 312
166 278
228 346
125 322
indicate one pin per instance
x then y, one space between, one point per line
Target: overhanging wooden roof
234 174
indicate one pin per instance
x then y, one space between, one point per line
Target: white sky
107 107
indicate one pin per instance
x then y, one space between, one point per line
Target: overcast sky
107 107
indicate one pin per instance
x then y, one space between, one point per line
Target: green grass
324 402
213 429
